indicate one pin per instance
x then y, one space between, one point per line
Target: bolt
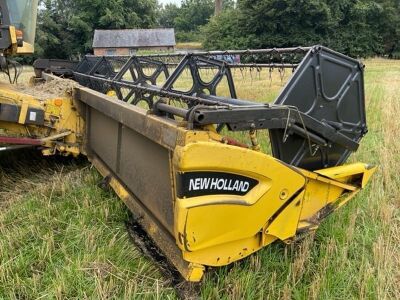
284 194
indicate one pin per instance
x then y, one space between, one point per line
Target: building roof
132 38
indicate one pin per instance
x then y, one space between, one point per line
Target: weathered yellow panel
61 116
210 221
215 230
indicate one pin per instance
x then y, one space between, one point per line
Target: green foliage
189 17
167 15
222 32
65 27
357 27
193 13
389 27
188 36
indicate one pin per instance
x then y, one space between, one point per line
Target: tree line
66 27
358 28
355 27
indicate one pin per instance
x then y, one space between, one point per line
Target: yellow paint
53 109
23 112
25 49
226 253
195 273
13 35
14 44
367 175
220 229
111 93
289 217
60 116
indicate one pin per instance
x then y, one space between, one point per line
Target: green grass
61 236
189 46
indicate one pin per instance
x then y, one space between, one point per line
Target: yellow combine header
201 195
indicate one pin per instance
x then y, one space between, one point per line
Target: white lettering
230 185
197 184
191 185
221 183
214 184
225 185
205 182
244 186
236 186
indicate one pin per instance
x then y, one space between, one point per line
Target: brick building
128 41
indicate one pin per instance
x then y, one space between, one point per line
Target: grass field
189 45
63 237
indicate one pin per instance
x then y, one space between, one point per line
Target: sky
169 1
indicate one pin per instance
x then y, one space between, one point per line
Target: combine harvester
201 196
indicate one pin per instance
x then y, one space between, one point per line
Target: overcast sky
169 1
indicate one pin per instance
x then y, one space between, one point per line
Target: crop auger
161 130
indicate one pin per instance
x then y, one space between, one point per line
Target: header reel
316 122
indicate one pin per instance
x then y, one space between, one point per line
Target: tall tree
190 16
218 7
65 27
194 13
167 15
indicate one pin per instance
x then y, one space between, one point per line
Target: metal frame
316 122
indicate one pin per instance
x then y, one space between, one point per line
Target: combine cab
171 137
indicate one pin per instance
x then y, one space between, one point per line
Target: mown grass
189 45
61 236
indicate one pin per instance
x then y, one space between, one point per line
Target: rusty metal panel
160 130
145 170
135 147
104 138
